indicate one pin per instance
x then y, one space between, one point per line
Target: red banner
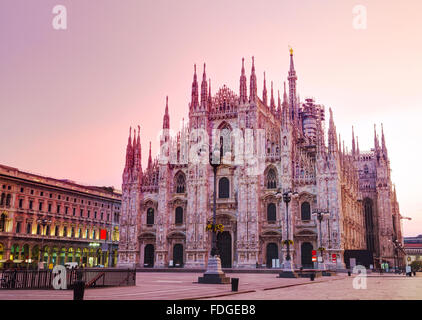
103 234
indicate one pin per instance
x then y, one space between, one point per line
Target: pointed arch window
225 139
178 219
271 212
271 179
365 169
180 183
305 211
223 188
150 216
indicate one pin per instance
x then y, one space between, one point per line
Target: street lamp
287 263
320 213
43 222
214 273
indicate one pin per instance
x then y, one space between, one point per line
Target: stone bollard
78 287
235 284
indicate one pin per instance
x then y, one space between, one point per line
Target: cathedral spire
272 102
242 91
209 96
204 90
264 92
332 135
166 118
383 145
137 152
252 83
149 158
129 151
285 109
292 87
376 143
353 142
194 101
278 104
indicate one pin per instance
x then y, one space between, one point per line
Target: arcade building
45 221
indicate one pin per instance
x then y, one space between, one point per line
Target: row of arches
271 212
55 255
178 216
271 181
5 199
305 212
224 245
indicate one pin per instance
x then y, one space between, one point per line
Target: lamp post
319 213
214 273
43 222
287 263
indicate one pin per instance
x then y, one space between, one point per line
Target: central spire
166 118
292 88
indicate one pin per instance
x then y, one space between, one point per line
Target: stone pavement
378 287
175 286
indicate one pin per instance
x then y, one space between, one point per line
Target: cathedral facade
341 200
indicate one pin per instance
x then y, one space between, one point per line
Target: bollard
349 273
78 287
312 276
235 284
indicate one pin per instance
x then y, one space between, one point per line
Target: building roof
108 192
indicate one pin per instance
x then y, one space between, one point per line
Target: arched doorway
224 245
62 257
54 256
306 254
272 253
178 255
149 256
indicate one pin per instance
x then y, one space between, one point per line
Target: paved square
252 286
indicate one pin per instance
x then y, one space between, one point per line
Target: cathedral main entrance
149 256
224 245
272 253
306 255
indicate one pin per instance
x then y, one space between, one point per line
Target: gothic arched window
271 179
3 222
150 216
271 212
180 183
305 211
225 138
178 216
223 188
365 169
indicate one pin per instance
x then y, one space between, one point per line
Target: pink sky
68 97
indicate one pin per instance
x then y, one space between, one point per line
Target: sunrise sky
68 97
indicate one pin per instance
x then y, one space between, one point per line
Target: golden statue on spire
291 50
